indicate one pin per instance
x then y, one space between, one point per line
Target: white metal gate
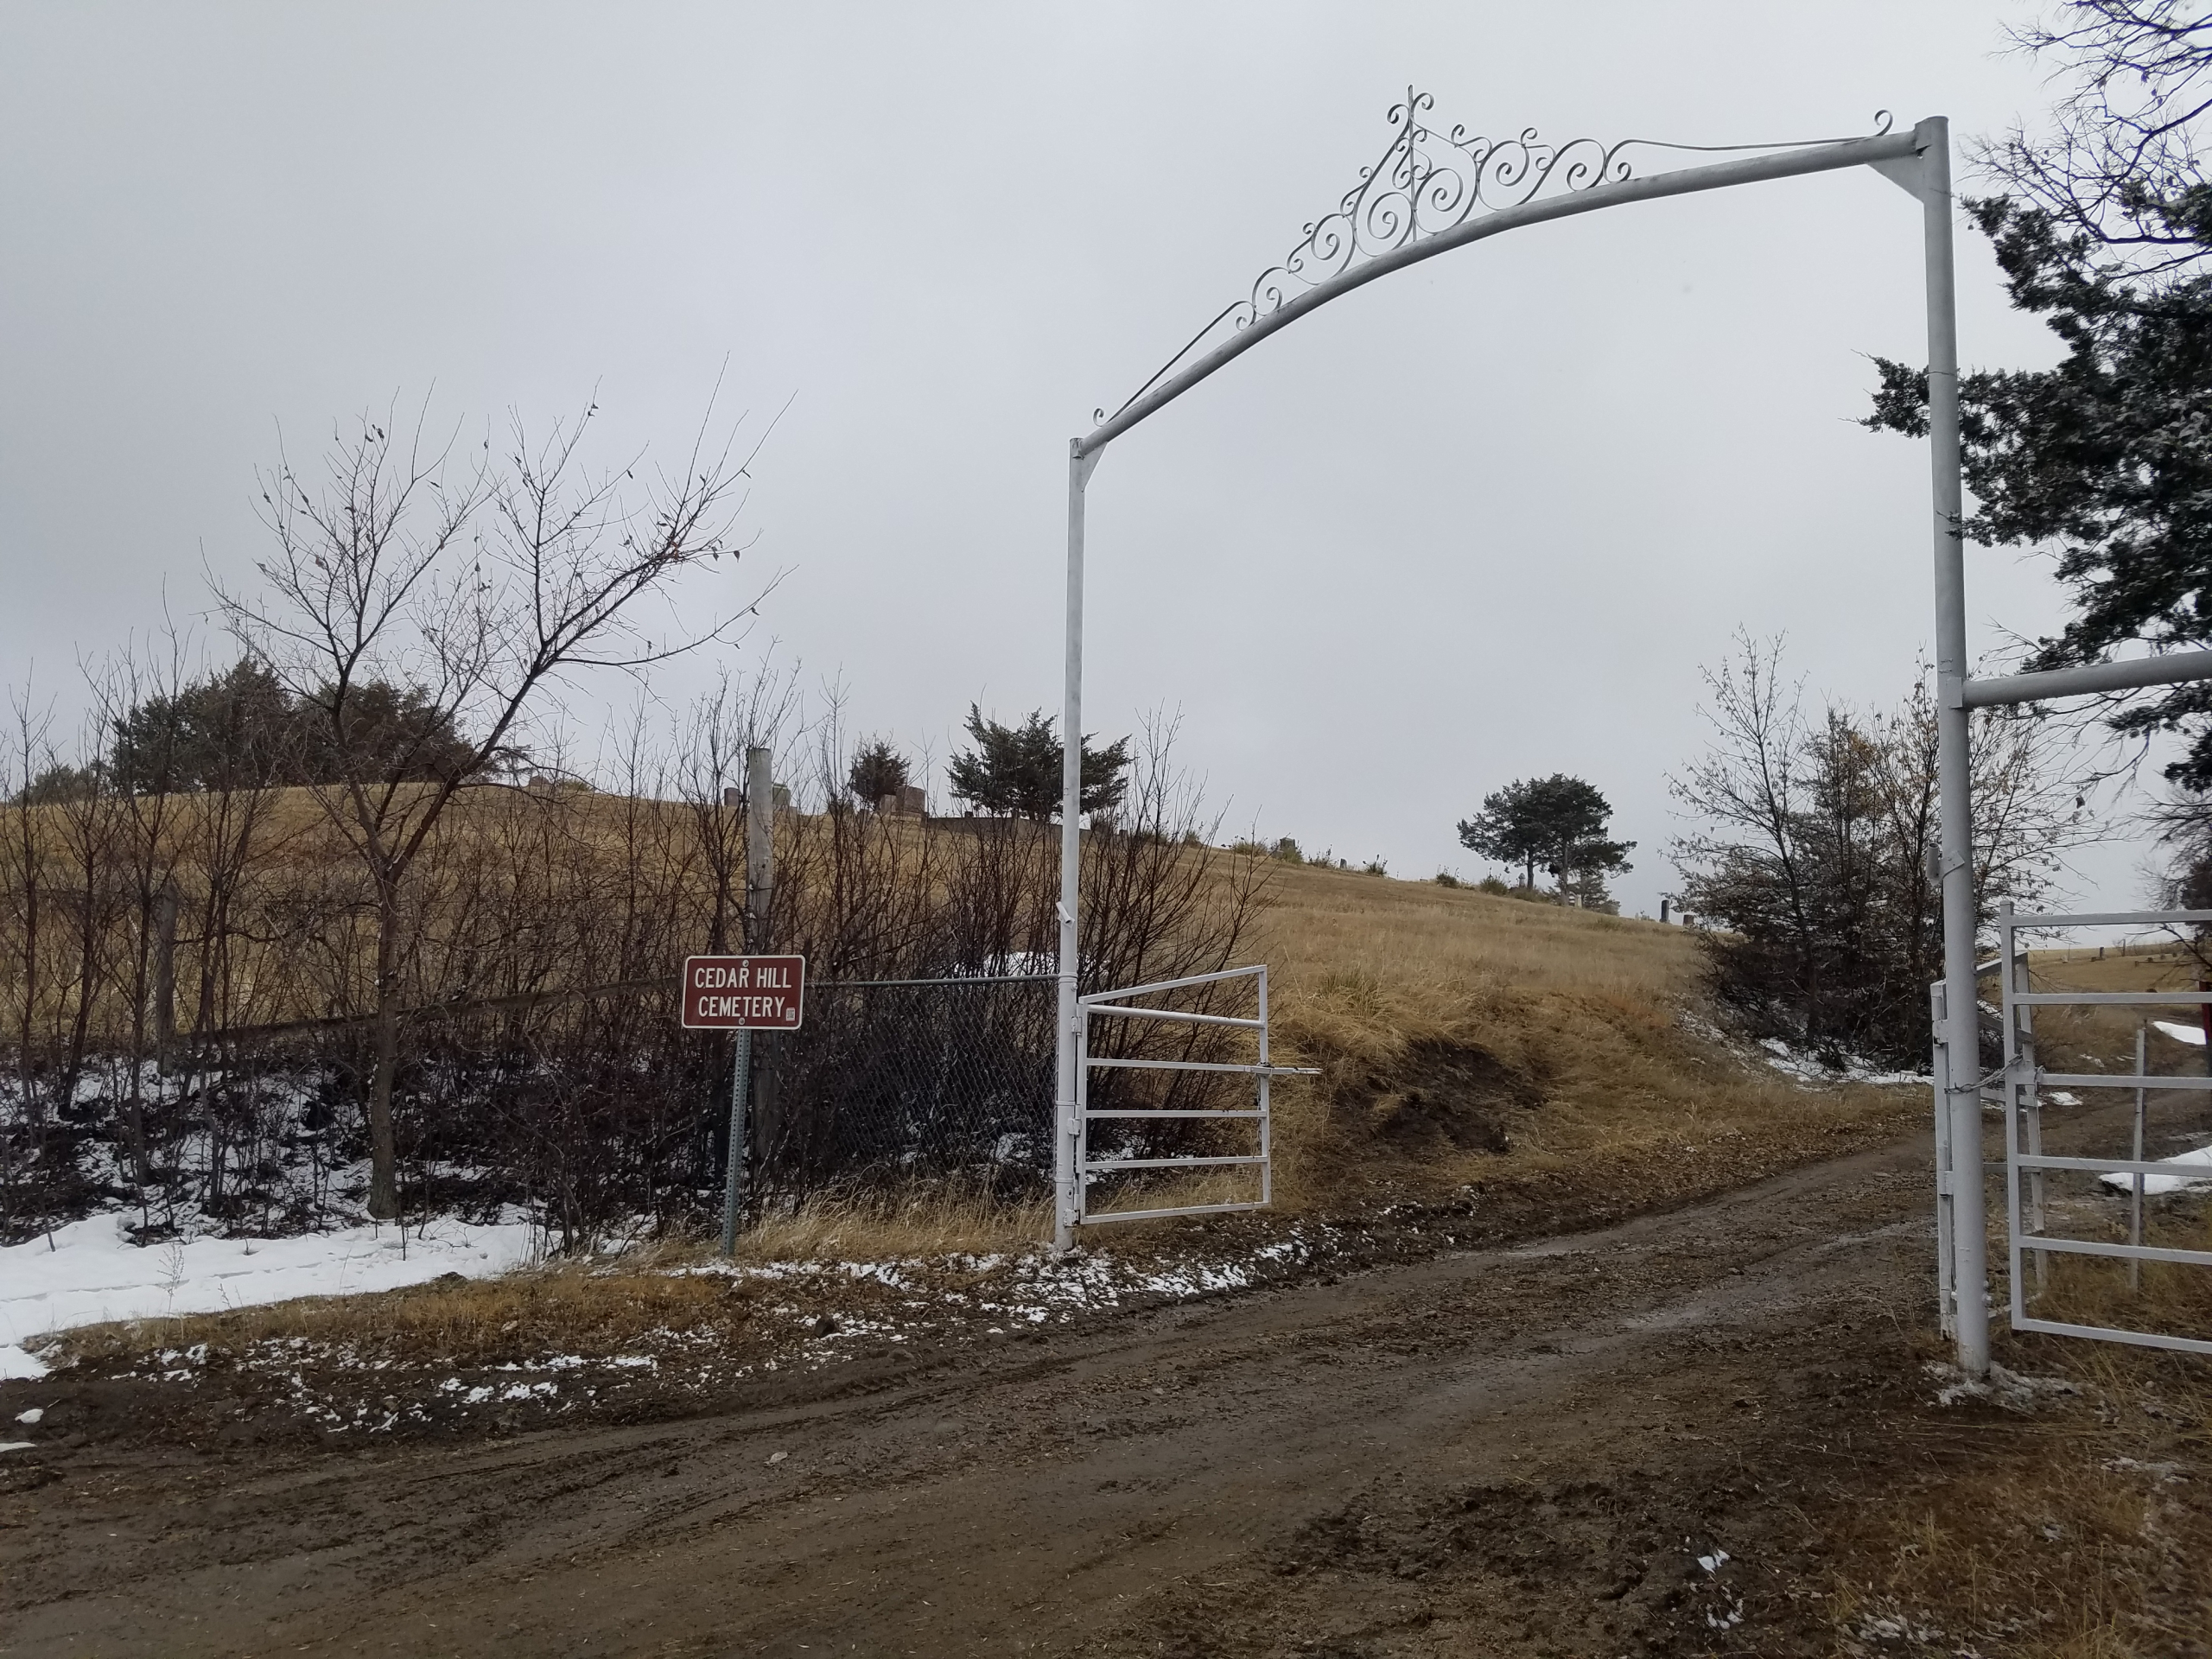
1117 1005
2023 1083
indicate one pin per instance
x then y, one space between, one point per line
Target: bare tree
738 715
473 589
2120 165
1811 841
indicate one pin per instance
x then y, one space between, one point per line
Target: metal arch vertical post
1067 1119
759 888
1939 1072
1969 1243
2142 1101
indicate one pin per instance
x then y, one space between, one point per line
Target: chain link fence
899 1078
593 1108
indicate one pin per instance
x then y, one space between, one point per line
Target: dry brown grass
2072 1527
593 1306
2171 1299
567 1306
1324 923
1629 1109
882 1226
2106 1036
1367 971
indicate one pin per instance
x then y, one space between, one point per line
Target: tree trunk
383 1184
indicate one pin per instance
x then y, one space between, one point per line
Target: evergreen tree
877 771
1015 770
392 732
236 729
239 729
2106 458
1557 823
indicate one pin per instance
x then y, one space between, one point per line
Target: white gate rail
1116 1005
2026 1162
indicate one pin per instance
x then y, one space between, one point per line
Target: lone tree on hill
878 769
1015 770
473 587
1557 821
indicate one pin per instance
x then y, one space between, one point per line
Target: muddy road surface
1612 1443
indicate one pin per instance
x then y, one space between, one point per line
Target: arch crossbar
1885 148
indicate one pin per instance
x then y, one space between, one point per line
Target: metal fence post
734 1170
1969 1224
1067 1117
2142 1102
759 886
1947 1273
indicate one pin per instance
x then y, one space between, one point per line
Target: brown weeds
2077 1531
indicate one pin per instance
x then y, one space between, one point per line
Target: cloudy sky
1484 520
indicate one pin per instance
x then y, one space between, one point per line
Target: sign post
742 994
734 1170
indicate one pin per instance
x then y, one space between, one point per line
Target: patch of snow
16 1446
2010 1389
2162 1473
1808 1071
1895 1627
2200 1159
32 1415
2193 1036
93 1272
17 1366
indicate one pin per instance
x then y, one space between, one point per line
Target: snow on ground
1796 1063
2199 1159
342 1387
2191 1034
91 1271
1806 1069
1031 1287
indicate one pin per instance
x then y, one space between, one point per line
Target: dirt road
1524 1450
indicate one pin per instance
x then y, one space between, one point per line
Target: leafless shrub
528 960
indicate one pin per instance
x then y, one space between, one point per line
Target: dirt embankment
1711 1431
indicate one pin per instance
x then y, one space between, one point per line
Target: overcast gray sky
1481 520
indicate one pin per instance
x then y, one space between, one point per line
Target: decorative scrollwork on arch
1425 183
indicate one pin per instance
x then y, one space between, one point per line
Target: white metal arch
1381 218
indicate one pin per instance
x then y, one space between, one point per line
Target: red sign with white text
743 992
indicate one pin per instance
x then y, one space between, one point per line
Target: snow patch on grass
2187 1180
91 1271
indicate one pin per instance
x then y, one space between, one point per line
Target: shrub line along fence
530 1001
187 1025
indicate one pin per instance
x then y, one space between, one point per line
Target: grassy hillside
1552 1053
